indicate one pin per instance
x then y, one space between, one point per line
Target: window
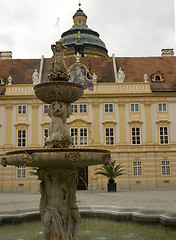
137 168
21 138
165 168
108 107
21 172
74 108
157 78
22 109
162 107
163 131
74 135
135 135
134 107
109 136
45 135
45 109
79 136
83 108
83 136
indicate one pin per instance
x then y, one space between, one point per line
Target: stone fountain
58 164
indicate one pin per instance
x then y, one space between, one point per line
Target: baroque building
128 107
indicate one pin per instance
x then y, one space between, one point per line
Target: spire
80 18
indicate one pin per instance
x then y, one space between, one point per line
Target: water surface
94 229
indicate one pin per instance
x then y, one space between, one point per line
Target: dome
81 35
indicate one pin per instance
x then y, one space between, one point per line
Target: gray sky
128 27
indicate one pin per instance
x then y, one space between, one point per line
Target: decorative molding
159 75
163 121
79 120
165 156
21 124
135 121
109 122
45 123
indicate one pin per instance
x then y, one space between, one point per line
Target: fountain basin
56 157
60 91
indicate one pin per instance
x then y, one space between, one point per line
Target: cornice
26 124
107 122
45 123
135 121
79 120
163 121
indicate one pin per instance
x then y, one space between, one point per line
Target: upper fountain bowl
49 92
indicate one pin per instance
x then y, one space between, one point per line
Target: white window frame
135 137
21 172
79 136
21 139
164 135
162 107
83 108
74 136
22 109
109 136
74 108
45 108
134 107
165 168
137 168
83 136
108 108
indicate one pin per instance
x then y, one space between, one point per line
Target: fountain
57 164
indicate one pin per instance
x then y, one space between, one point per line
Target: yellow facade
135 124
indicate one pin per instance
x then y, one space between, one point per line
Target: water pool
94 229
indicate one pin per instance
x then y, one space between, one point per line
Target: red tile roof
21 70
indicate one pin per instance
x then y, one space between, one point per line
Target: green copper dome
81 35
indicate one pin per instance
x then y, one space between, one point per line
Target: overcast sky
128 27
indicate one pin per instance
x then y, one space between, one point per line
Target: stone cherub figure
58 130
58 68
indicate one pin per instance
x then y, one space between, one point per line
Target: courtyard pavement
148 199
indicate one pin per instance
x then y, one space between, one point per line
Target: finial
145 78
9 79
79 35
79 4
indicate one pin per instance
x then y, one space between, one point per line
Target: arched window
157 78
79 21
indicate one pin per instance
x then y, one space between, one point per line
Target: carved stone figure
58 130
35 77
59 212
120 76
58 68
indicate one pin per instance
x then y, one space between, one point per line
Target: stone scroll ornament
58 68
58 209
